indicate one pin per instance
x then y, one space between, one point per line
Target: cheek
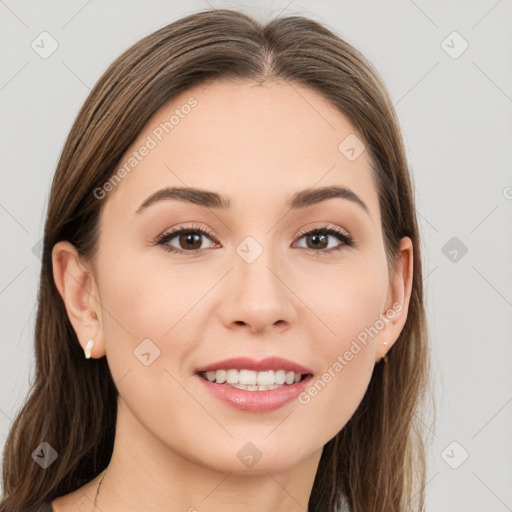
146 297
147 308
345 300
130 294
133 312
349 305
143 320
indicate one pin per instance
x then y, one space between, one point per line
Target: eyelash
341 235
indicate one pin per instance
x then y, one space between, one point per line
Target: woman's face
255 286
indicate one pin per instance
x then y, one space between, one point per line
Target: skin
176 445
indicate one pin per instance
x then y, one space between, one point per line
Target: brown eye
317 240
189 240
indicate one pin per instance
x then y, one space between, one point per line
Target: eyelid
325 227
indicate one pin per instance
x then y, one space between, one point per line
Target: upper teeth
249 377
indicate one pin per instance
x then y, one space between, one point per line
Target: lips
261 400
255 401
246 363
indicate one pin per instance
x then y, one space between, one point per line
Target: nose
257 296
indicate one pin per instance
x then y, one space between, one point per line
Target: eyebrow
208 199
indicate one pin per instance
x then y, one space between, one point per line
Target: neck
146 474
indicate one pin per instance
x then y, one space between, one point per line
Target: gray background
456 119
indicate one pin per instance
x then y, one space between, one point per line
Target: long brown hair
377 461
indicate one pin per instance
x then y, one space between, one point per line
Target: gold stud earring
87 349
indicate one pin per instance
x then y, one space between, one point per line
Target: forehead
248 142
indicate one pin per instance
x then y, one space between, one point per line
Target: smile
250 380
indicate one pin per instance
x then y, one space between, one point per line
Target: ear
77 286
397 303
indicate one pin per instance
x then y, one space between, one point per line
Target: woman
231 241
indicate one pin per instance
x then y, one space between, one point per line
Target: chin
258 457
